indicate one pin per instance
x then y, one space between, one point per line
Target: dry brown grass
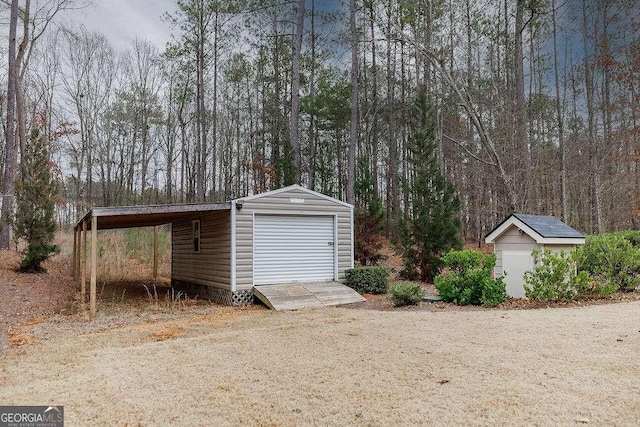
224 366
122 254
21 334
124 269
168 333
127 255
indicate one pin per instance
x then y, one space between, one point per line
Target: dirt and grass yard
212 365
155 358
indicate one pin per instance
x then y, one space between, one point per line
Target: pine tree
36 192
430 226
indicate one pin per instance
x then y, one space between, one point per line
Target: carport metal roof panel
147 215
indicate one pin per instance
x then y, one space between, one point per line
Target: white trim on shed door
293 248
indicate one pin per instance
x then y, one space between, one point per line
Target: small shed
288 235
221 250
518 236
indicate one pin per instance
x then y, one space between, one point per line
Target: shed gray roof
548 226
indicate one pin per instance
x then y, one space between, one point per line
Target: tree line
534 105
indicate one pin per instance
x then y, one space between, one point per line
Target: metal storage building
221 250
287 235
518 236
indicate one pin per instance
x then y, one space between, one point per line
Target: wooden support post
155 252
83 263
94 262
76 253
79 235
74 270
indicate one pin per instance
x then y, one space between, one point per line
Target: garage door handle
330 243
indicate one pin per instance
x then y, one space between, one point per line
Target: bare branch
466 150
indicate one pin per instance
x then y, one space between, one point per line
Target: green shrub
36 254
612 260
494 292
550 280
468 259
556 278
469 280
633 236
406 293
368 280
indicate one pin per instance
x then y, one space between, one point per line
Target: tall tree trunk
353 129
392 180
607 140
564 192
520 142
594 181
294 127
214 107
201 140
375 144
312 95
21 113
10 146
275 139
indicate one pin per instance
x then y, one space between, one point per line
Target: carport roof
146 216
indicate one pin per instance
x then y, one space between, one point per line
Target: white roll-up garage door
292 248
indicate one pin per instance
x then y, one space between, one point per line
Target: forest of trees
536 104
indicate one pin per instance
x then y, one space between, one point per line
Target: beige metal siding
282 203
212 266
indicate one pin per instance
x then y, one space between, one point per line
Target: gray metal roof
146 215
548 226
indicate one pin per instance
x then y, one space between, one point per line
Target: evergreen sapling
36 192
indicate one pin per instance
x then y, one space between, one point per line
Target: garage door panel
293 249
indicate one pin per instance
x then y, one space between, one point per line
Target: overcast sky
121 21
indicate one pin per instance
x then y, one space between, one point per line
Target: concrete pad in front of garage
296 296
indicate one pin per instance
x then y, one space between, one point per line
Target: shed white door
293 248
515 264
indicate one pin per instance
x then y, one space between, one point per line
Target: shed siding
212 266
280 203
513 240
559 248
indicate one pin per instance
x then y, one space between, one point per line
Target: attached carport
108 218
221 251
